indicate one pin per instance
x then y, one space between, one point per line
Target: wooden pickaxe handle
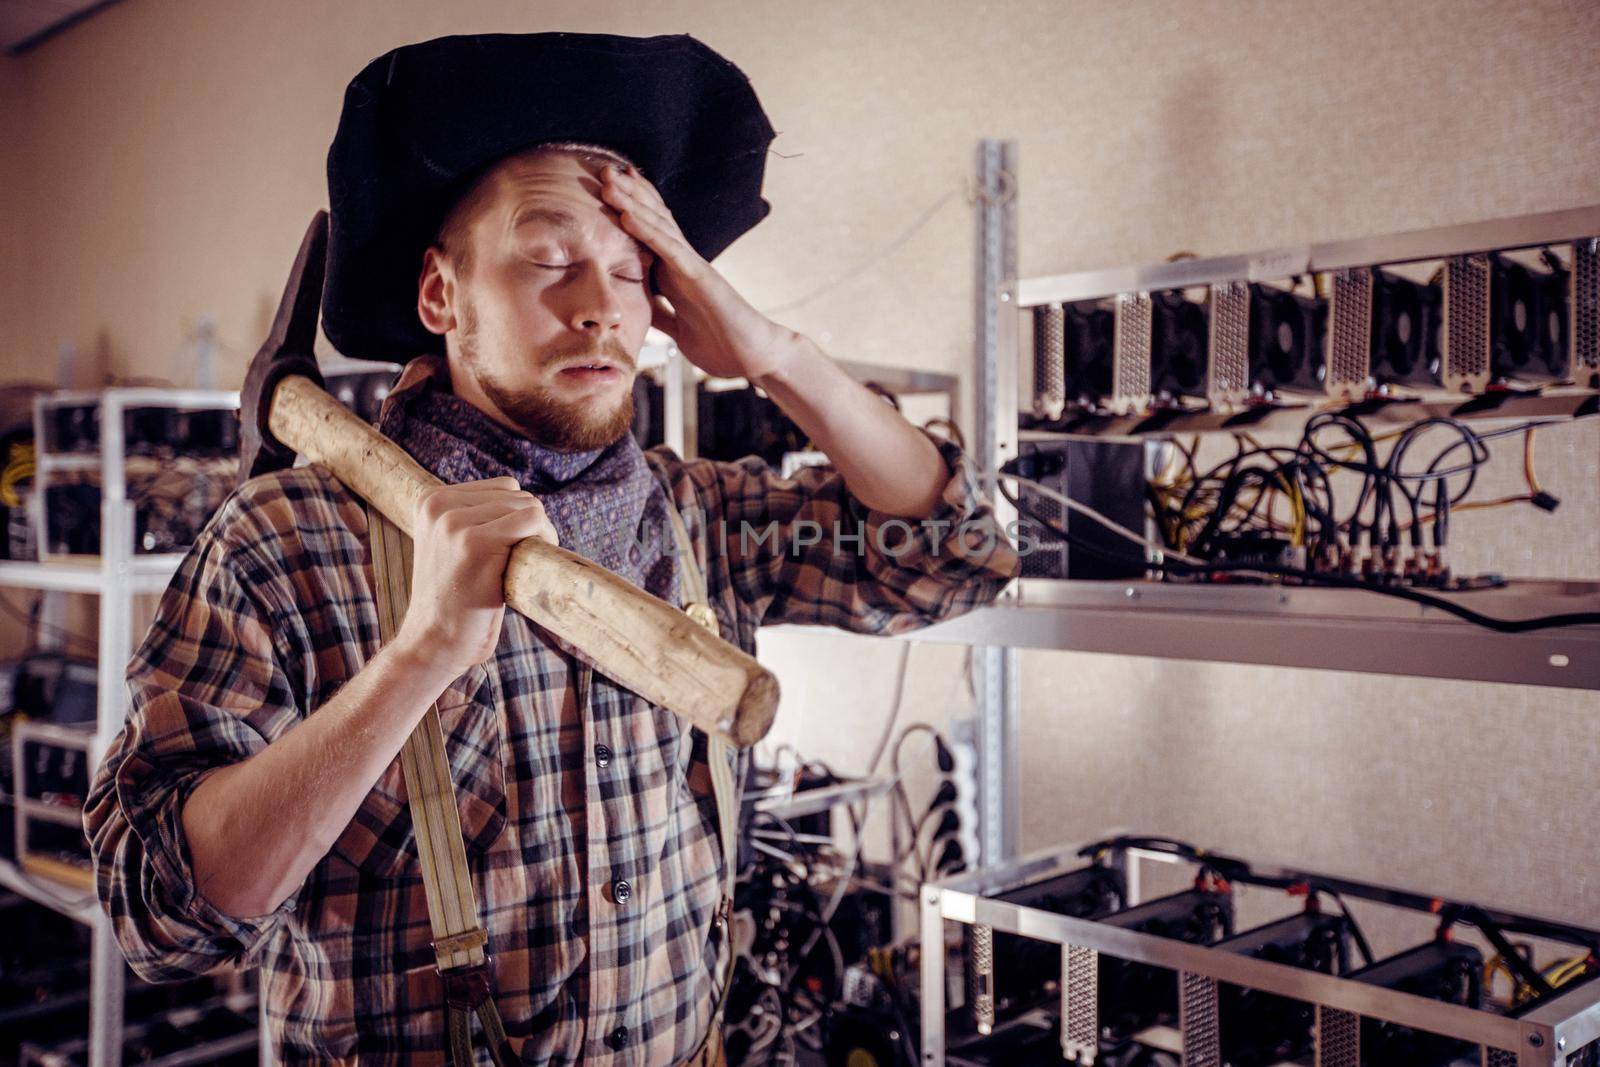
634 638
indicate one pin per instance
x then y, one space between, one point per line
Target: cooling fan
1406 317
1287 341
1528 321
1179 338
1090 331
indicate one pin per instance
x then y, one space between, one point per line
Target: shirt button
621 891
602 755
618 1037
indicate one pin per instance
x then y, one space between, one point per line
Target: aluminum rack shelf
138 574
1297 626
68 900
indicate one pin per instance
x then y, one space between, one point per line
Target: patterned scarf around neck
606 505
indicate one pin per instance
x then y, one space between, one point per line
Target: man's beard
542 418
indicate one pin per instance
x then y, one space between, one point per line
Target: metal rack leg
995 670
933 964
116 605
994 442
105 997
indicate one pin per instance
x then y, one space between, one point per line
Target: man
254 808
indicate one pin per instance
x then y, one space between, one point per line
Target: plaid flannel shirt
568 785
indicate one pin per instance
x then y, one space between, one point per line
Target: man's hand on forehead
566 223
693 304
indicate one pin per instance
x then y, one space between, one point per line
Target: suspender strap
724 790
458 934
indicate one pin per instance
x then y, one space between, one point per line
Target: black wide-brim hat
420 122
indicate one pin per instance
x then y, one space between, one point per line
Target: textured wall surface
171 151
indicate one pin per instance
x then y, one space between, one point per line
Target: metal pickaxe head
288 349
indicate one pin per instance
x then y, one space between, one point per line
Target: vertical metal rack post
995 667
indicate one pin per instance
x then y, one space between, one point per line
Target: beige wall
173 150
14 264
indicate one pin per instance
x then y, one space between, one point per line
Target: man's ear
436 292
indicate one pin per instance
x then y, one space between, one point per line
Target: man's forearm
256 828
886 462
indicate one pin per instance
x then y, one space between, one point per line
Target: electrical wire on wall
875 258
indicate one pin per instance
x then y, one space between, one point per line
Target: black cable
1523 427
1228 867
1359 436
1441 516
1298 469
1478 456
1362 946
1495 934
1581 618
1380 481
1230 465
1471 913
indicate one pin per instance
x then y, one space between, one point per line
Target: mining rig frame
1564 1024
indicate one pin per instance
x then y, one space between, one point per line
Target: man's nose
596 304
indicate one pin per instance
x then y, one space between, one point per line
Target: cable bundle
1228 522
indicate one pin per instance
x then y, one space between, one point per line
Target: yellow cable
1562 973
1527 463
1475 505
19 467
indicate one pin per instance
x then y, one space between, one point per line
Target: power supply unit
1104 475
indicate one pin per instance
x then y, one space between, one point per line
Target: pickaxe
636 639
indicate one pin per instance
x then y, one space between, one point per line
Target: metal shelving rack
116 578
682 381
1283 626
